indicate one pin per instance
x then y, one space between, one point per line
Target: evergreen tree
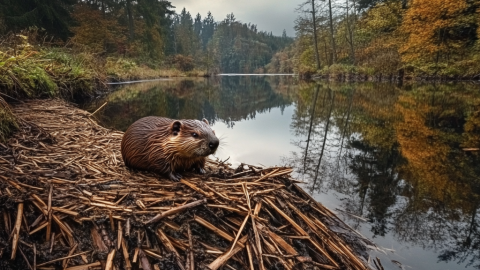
51 15
208 29
198 25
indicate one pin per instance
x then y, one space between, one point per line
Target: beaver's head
193 138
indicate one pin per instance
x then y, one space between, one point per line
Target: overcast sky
268 15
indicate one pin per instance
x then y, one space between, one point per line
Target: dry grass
8 121
121 69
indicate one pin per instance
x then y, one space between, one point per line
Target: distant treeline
148 31
404 38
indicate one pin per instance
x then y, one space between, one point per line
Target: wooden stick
267 175
212 227
152 254
85 266
176 210
112 224
65 211
61 259
49 211
166 242
25 258
99 108
227 255
109 263
135 255
34 256
197 189
279 240
257 242
16 230
127 228
294 224
52 241
239 233
249 253
119 235
190 244
70 252
39 203
128 265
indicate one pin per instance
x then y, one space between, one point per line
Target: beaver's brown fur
167 146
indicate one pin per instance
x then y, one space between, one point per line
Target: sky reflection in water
390 155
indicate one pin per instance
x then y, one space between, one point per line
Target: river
393 161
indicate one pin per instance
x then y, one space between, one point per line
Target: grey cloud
268 15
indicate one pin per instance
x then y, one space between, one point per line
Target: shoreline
393 79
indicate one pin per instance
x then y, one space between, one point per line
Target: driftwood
68 202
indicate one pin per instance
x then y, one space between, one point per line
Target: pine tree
52 15
208 29
198 25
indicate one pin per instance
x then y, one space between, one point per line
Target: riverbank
349 73
65 191
30 70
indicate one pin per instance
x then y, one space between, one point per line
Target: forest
389 38
145 32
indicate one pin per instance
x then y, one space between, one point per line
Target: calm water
388 159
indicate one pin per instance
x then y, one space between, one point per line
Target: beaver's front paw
175 176
201 170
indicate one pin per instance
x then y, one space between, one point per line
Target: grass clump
28 71
8 121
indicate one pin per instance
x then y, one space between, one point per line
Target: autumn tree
96 31
438 29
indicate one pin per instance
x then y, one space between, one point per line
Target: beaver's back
135 152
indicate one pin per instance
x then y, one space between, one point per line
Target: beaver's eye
195 135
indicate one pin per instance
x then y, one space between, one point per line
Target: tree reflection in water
396 156
224 99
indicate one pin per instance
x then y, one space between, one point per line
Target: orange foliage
427 24
96 31
426 151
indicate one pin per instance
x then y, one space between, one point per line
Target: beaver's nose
214 144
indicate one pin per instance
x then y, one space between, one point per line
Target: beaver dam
68 202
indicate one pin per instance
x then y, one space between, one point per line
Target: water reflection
396 158
391 155
217 99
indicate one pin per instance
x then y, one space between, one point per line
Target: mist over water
388 159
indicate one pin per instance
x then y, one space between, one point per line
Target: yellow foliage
427 151
428 23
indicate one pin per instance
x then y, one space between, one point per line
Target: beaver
167 146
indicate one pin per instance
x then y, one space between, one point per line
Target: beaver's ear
205 121
176 127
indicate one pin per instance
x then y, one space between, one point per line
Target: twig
61 259
16 230
175 210
190 244
99 108
227 255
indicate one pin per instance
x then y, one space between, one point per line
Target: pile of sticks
68 202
